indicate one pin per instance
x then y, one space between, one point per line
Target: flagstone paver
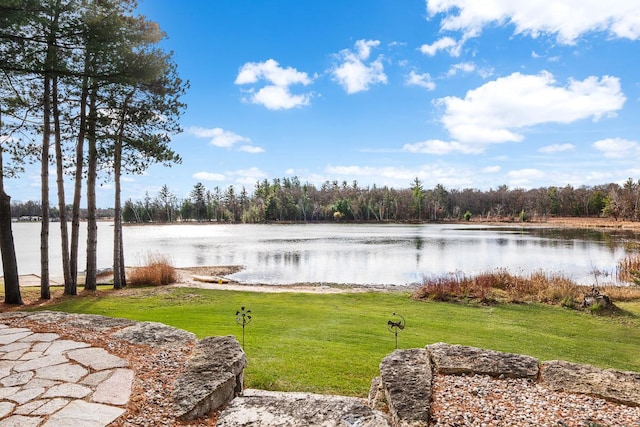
48 381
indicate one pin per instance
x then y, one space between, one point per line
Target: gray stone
51 406
60 346
24 396
259 408
85 414
40 337
84 321
97 358
72 391
20 378
14 355
55 359
213 376
377 399
21 421
9 338
29 407
5 409
15 346
406 378
69 372
115 390
608 384
155 334
456 359
96 378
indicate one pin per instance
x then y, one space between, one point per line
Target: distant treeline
288 199
34 210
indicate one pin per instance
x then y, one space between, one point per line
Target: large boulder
406 377
259 408
608 384
457 360
213 376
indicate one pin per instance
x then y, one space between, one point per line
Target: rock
377 399
608 384
259 408
86 321
155 334
213 376
456 359
406 378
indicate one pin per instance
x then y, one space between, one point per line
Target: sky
463 93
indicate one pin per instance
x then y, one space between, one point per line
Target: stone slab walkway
47 381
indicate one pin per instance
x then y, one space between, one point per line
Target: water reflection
345 253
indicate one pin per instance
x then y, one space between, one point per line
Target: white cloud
436 146
248 176
525 177
276 94
491 169
251 149
445 43
279 98
617 148
422 80
208 176
219 137
567 20
494 112
469 67
556 148
354 73
401 177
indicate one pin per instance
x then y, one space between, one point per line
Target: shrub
158 271
467 216
628 269
501 285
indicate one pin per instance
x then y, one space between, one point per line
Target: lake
365 254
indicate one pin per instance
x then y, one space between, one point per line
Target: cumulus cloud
224 139
497 110
422 80
617 148
436 146
276 93
567 20
248 176
446 43
556 148
491 169
355 72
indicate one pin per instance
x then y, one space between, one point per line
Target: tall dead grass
157 271
502 286
629 269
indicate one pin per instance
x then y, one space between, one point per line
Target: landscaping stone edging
409 405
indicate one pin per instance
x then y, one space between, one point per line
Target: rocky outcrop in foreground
406 378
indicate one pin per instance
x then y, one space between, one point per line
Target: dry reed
158 271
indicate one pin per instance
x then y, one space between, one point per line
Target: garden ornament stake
243 318
395 326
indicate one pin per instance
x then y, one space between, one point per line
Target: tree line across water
288 199
85 88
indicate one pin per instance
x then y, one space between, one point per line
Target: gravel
484 401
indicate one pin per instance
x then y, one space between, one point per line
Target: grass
334 343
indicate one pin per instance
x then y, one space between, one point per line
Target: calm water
346 253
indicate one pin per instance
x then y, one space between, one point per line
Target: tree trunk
92 172
7 248
77 191
45 292
69 283
117 220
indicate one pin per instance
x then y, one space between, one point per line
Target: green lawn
334 343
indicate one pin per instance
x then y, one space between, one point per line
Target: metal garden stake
243 318
395 326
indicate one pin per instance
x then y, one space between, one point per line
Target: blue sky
464 93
